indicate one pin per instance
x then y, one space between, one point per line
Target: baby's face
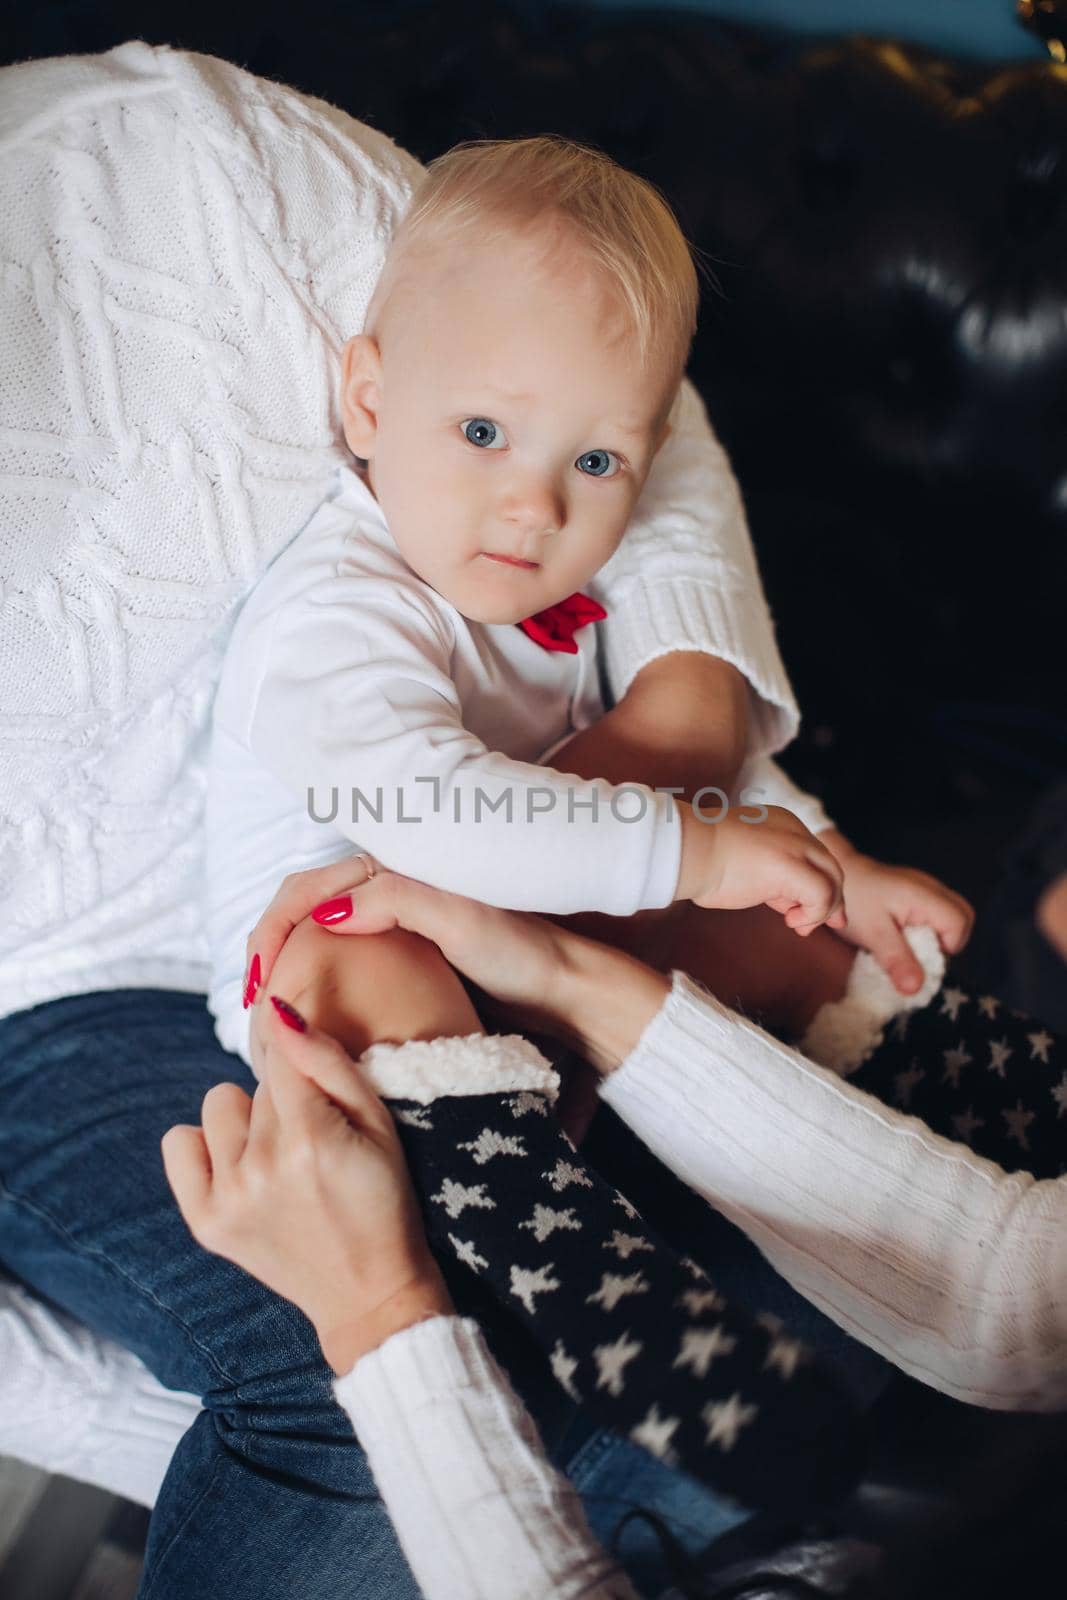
508 421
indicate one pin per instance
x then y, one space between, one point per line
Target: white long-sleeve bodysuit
359 708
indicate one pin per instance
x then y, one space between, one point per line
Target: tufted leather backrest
889 369
900 242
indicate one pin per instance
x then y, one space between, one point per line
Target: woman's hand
534 975
305 1187
517 958
297 894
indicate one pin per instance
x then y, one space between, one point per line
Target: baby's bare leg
748 959
375 987
390 987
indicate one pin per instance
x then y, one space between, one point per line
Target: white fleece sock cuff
477 1063
843 1033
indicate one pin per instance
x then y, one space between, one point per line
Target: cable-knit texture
168 420
687 571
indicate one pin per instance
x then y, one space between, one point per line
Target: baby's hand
775 862
882 900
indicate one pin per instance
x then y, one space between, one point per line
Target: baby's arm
682 724
664 732
746 960
356 707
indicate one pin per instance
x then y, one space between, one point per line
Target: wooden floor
61 1540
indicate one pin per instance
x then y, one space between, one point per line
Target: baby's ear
361 372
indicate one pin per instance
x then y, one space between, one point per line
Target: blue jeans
268 1493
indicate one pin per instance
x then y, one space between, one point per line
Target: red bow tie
554 628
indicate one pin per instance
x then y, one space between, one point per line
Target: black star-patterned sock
977 1072
635 1332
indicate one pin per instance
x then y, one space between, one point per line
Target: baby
535 300
401 679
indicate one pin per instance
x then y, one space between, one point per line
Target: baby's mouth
513 561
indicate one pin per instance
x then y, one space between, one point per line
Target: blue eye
485 434
597 463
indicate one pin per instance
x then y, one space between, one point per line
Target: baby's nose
537 509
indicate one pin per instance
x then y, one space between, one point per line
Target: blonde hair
620 221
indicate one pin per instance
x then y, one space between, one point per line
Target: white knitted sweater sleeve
941 1261
685 577
185 248
477 1507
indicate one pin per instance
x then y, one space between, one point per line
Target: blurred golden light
1037 12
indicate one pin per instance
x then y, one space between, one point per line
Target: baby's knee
364 988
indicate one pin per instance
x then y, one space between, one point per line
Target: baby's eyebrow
508 394
638 431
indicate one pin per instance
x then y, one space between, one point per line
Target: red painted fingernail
289 1014
252 985
331 911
